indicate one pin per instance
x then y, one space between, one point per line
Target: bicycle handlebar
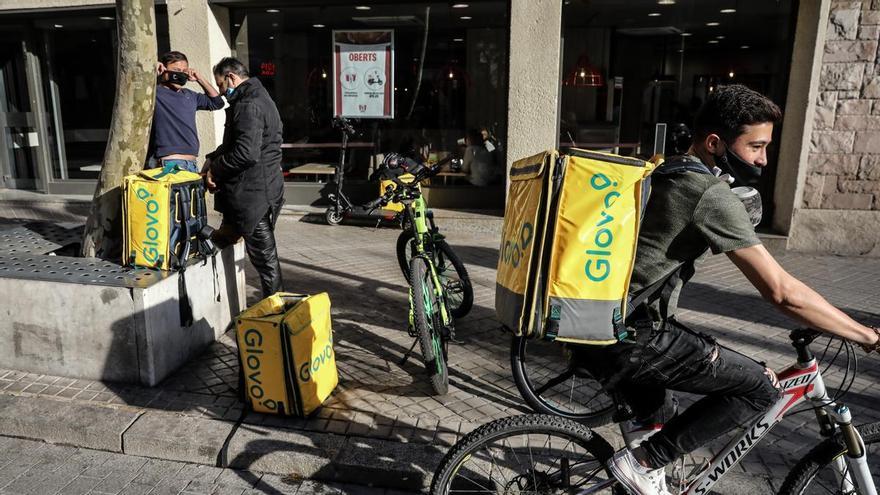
344 125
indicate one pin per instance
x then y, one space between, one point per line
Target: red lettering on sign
362 57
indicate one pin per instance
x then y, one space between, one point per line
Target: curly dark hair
730 108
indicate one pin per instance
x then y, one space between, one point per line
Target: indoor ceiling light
713 24
654 14
728 11
363 7
458 39
665 2
465 17
730 74
460 6
273 11
712 42
720 37
318 25
106 18
274 24
237 25
271 37
59 25
687 34
745 47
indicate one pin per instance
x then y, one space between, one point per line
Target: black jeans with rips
261 249
734 386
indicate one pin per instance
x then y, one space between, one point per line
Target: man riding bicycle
692 210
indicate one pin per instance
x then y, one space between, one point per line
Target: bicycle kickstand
408 353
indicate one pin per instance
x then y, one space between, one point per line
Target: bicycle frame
417 209
799 383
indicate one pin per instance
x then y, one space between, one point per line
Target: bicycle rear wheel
428 322
532 454
817 474
452 272
551 384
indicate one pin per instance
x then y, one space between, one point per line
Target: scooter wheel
333 216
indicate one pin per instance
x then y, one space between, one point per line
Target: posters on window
363 73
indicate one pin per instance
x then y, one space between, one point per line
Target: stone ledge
79 425
177 438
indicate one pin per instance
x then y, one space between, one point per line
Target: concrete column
201 31
800 107
533 98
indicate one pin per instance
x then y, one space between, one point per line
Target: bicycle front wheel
452 272
428 322
532 454
551 384
824 469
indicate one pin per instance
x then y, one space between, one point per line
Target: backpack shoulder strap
684 163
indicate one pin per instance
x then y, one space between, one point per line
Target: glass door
19 137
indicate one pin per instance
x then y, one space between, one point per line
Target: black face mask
743 172
180 78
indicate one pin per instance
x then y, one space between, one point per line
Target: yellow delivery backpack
285 345
385 183
568 245
163 213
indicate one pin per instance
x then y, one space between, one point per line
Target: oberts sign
363 74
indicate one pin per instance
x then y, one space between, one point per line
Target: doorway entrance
19 131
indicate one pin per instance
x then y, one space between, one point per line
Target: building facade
531 75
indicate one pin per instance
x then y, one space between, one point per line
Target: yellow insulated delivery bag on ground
164 210
568 245
285 345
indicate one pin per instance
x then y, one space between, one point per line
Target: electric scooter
340 206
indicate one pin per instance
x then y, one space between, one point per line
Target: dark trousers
734 387
260 247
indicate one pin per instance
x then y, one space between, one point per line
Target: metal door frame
35 119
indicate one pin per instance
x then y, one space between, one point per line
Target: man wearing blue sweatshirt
174 139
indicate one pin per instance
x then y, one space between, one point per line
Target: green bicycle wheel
427 320
452 272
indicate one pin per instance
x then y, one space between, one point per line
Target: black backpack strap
680 164
662 285
186 312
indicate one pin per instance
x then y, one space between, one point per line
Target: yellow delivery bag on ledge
285 345
569 281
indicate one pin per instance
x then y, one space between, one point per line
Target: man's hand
192 74
160 69
206 167
209 181
875 346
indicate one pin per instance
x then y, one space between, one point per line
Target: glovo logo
253 342
150 250
597 266
308 369
512 250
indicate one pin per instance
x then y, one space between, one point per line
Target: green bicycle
439 287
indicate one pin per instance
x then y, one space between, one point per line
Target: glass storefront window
460 82
628 66
79 77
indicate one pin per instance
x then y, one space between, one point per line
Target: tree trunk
130 128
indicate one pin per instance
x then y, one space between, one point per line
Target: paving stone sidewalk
36 468
378 399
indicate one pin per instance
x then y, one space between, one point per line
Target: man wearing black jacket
245 171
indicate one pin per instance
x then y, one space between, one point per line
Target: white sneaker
637 479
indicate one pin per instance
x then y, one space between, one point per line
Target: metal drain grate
37 237
90 271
